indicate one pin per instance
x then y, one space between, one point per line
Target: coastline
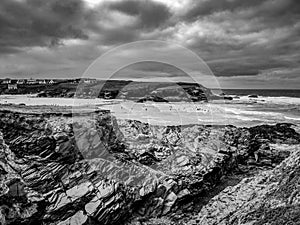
180 165
188 155
242 111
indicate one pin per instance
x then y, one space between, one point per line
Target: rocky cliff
89 168
270 197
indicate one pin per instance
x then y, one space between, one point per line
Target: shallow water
240 112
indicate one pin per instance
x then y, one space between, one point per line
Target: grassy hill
119 89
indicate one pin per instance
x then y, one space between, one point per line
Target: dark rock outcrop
152 98
93 169
253 96
271 197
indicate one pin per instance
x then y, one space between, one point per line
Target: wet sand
239 112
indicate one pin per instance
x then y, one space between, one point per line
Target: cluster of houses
12 84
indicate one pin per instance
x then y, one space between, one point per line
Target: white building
89 81
21 81
6 81
42 82
51 82
12 86
32 81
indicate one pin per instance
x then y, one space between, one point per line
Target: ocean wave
237 111
292 118
273 100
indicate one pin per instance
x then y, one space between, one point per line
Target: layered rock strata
89 168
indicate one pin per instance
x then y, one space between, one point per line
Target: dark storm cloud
207 7
118 36
151 14
39 23
268 11
246 66
237 38
278 13
156 68
147 16
246 37
29 23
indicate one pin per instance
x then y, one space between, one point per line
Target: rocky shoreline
90 168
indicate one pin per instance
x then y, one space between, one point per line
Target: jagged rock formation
271 197
176 93
17 203
164 92
120 89
89 168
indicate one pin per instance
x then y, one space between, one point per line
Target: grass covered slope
120 89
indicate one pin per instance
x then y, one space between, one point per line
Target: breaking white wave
237 112
292 118
267 100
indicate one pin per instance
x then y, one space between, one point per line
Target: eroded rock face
93 169
18 203
51 164
271 197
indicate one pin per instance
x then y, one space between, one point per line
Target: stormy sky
246 43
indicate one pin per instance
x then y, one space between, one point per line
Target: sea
264 92
244 110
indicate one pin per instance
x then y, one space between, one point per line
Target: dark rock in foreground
253 96
271 197
152 99
92 169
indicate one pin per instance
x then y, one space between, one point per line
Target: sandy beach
240 112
